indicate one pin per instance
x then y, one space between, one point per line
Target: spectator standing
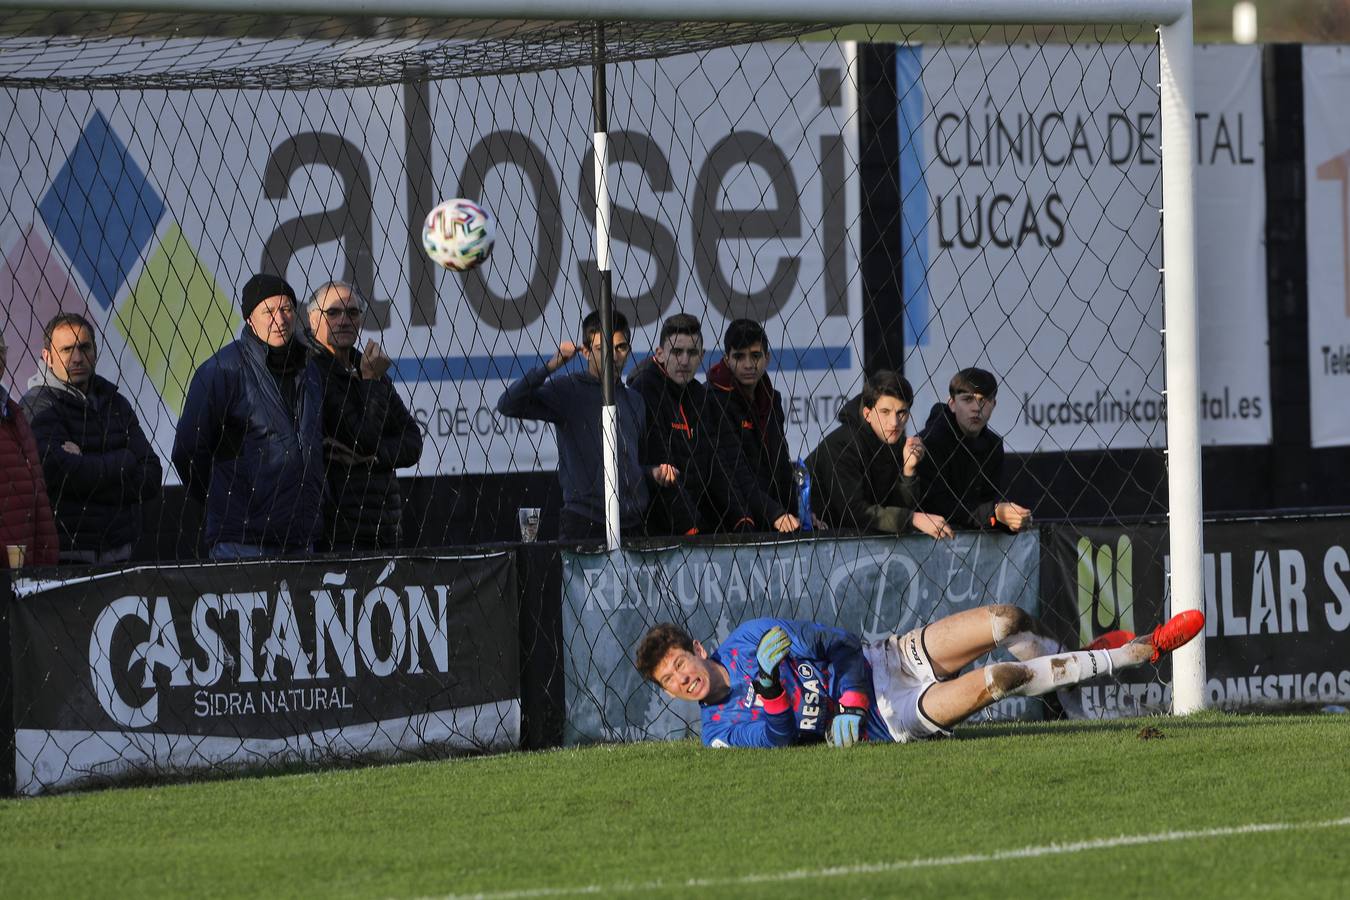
754 409
96 459
250 442
688 429
962 470
367 429
863 472
572 403
25 513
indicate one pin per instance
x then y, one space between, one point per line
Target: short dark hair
743 333
973 381
656 643
66 318
681 323
886 383
590 326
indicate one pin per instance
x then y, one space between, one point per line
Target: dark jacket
572 403
364 509
688 428
256 463
758 425
857 479
96 493
960 475
25 513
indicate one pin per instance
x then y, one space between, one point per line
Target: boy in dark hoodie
863 474
740 380
962 470
687 429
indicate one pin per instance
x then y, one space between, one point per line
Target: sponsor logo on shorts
912 647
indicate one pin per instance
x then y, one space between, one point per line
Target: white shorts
901 673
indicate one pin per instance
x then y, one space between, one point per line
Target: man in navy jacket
572 403
250 442
97 461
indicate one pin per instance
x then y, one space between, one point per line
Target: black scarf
285 363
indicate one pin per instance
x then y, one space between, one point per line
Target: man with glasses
99 465
368 432
863 474
572 403
250 442
688 429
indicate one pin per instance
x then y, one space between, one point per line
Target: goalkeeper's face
687 675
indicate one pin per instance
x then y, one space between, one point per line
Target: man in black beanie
250 442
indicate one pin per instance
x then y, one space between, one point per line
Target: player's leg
958 640
913 674
951 702
1048 673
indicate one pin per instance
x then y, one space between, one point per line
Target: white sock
1025 645
1049 673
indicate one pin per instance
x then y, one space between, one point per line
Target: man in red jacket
25 513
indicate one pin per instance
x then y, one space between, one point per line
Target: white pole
609 423
1244 22
609 419
1185 505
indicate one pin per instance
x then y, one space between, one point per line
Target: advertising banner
216 666
1326 131
870 586
119 209
1095 580
1277 609
1031 239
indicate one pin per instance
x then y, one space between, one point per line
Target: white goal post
1174 21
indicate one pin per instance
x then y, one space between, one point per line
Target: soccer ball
459 234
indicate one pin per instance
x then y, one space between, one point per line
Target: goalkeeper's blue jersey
823 665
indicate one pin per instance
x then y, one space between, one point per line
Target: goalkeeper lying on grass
775 682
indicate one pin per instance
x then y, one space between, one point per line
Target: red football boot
1111 640
1176 632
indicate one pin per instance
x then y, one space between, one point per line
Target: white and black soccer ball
459 234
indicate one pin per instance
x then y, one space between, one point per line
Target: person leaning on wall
27 528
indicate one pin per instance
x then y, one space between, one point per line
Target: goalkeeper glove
773 648
846 729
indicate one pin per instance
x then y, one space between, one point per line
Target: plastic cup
528 517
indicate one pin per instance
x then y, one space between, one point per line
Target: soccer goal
918 186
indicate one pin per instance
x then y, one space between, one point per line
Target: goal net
923 198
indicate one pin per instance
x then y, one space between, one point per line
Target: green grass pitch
1210 806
